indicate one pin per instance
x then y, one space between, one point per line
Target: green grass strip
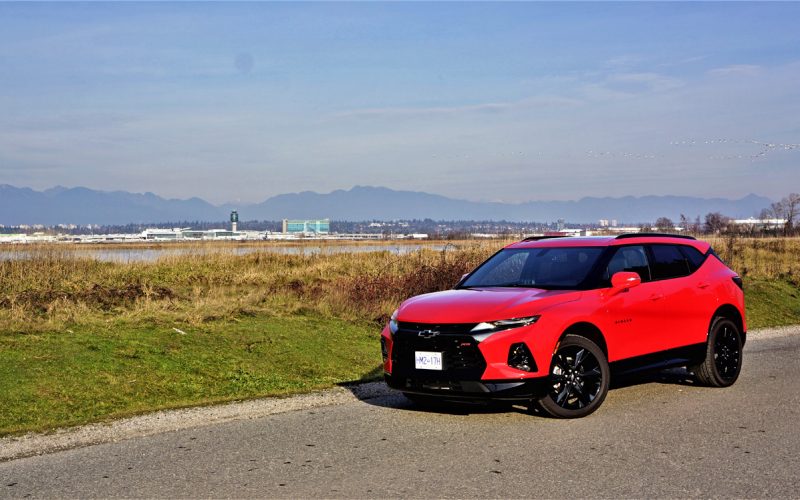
92 373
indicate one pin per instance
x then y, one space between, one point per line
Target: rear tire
723 361
578 381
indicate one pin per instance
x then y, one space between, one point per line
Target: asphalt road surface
655 436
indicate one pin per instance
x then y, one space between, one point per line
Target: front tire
579 378
723 360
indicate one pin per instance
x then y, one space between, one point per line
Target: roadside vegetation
83 340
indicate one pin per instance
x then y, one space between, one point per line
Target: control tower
234 220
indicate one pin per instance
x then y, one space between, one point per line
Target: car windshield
551 268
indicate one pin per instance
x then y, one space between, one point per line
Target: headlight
393 326
483 330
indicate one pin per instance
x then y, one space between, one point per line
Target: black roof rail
537 238
654 235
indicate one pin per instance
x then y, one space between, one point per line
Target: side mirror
624 280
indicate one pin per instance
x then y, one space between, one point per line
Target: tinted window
668 262
630 259
693 257
505 269
558 268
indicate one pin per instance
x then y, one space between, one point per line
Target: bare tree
788 209
776 209
791 207
696 225
665 224
716 222
685 222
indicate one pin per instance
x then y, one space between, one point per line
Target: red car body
635 322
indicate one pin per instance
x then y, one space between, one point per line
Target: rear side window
668 262
693 257
630 259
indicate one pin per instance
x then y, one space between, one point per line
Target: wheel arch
589 331
732 313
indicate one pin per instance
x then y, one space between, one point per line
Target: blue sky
482 101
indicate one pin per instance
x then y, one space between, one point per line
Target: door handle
703 284
656 296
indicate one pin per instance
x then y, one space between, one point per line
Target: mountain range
80 205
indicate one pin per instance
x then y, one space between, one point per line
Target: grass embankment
94 371
771 271
82 340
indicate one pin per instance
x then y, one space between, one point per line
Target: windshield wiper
503 285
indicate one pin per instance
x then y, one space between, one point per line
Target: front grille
452 328
461 358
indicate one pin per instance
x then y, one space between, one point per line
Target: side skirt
680 356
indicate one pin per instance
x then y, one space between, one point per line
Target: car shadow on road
377 394
398 401
670 376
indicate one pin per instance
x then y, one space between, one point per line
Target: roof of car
603 241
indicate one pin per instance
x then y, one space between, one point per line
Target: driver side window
630 259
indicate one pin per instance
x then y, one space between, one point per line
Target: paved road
655 437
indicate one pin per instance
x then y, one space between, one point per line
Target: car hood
475 305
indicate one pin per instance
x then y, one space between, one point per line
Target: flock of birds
612 154
765 148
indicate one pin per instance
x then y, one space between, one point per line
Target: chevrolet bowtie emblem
428 334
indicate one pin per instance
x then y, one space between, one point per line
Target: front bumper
471 390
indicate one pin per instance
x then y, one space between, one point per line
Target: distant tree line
787 210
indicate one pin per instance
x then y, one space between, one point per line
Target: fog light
384 349
520 357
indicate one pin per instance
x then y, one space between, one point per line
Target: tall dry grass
762 258
51 288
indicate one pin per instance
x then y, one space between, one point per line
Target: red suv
549 320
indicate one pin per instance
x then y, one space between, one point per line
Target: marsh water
130 254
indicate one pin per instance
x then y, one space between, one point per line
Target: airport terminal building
307 227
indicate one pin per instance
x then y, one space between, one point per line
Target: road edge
31 444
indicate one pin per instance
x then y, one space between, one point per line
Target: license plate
424 360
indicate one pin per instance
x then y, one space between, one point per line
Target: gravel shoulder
13 447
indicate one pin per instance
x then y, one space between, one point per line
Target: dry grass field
51 289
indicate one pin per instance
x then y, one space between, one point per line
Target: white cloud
625 60
736 70
489 107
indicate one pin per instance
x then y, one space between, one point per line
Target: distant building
162 234
622 230
234 220
307 227
182 234
608 223
761 223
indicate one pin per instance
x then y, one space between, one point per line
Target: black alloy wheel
579 379
723 361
